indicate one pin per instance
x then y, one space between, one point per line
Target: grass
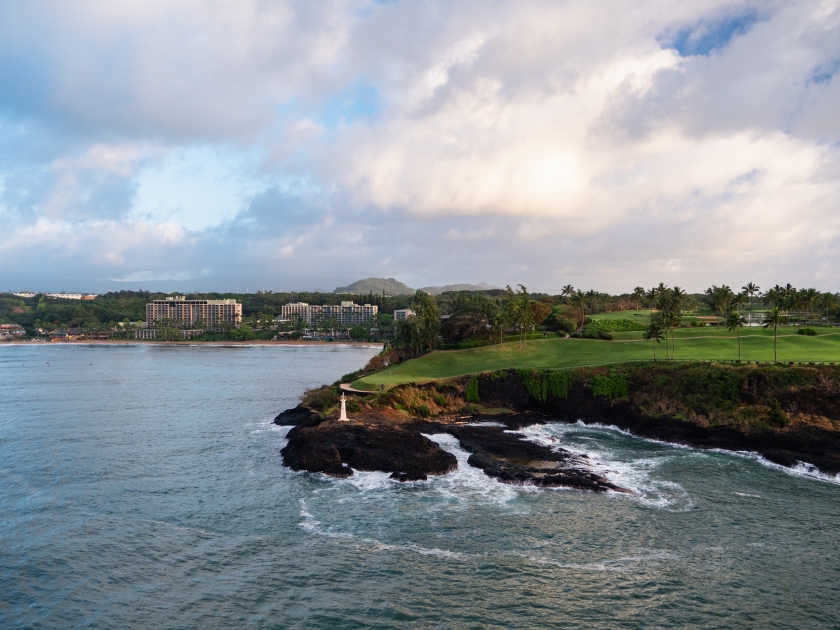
642 316
691 344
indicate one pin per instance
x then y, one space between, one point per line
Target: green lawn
698 344
635 316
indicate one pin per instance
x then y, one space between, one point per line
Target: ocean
141 486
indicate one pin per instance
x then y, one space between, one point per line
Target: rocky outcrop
511 459
295 416
336 448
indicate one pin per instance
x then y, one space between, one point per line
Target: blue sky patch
706 36
358 101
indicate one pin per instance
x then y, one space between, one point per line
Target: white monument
343 417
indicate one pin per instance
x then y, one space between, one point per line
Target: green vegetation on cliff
690 344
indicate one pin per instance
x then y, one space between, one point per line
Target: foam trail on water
636 472
467 483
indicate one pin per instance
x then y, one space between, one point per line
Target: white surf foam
467 484
637 474
803 470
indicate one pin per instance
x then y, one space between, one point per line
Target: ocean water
141 486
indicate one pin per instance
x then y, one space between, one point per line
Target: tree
653 333
578 300
751 289
567 292
828 302
639 296
428 319
775 319
674 302
734 322
524 313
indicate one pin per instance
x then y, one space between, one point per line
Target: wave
624 469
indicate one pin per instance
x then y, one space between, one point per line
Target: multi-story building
345 314
179 312
402 313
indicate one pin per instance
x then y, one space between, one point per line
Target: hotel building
180 312
346 314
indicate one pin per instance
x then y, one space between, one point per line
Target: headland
788 414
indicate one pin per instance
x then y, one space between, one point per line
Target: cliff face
788 415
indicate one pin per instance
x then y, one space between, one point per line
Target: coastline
254 342
790 416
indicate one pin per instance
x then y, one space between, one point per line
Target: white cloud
551 140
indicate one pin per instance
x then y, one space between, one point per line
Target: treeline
477 316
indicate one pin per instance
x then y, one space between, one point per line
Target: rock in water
331 447
414 475
511 459
295 416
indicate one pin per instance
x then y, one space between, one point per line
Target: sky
298 145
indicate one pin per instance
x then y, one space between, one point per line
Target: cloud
534 141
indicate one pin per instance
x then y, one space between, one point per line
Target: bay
142 486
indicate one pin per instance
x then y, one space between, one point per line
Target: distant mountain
391 286
482 286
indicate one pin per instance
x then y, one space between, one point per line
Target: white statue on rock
343 417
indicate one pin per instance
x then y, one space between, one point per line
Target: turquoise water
142 487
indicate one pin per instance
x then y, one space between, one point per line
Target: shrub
612 385
615 325
576 335
544 383
353 406
806 331
352 376
440 399
777 414
320 399
605 335
471 393
423 410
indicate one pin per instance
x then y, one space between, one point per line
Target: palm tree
809 298
525 315
567 292
677 296
578 300
591 296
653 333
751 289
639 295
734 322
775 319
828 302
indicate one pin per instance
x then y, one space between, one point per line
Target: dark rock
814 445
295 416
511 459
414 475
327 446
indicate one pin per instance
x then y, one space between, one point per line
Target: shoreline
255 342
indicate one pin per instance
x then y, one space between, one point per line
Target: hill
390 286
481 286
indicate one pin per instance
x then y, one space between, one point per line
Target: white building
346 314
183 313
403 313
72 296
25 294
